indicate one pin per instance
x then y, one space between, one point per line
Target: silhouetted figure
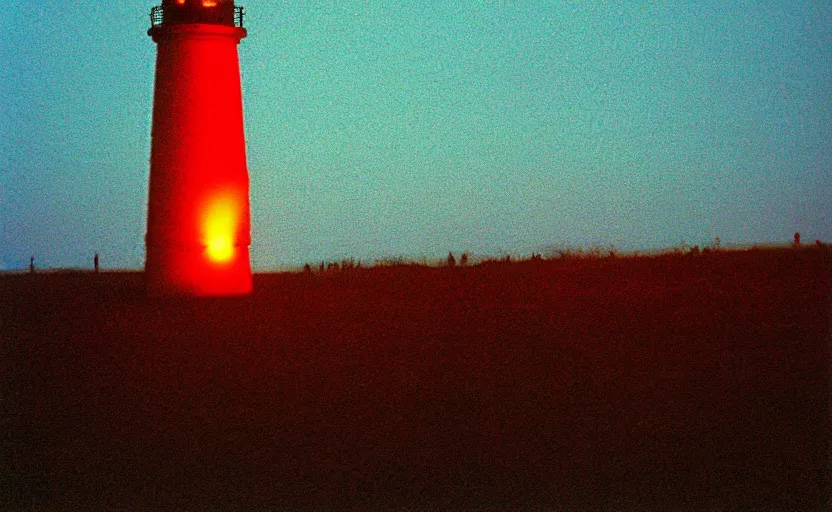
95 262
322 267
32 265
797 239
716 243
463 260
451 260
307 269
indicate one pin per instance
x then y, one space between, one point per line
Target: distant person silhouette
797 239
95 262
451 260
32 265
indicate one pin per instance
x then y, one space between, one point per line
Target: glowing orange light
180 2
220 249
209 3
219 227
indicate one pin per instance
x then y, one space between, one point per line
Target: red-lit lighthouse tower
198 224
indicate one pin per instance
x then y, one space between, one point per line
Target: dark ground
670 383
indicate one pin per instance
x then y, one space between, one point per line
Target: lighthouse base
191 271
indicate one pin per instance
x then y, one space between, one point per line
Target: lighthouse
198 220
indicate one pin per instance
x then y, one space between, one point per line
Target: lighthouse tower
198 222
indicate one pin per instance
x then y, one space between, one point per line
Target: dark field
675 382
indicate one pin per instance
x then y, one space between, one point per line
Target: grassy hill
671 382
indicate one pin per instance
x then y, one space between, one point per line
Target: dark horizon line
552 254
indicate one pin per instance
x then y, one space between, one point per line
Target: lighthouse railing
157 16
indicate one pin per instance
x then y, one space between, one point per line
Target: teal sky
384 129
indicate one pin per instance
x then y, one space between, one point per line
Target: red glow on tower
198 226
